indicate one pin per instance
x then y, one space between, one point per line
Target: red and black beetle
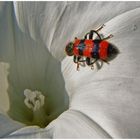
89 50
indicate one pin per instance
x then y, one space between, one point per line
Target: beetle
91 50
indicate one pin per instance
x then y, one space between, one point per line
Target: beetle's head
69 49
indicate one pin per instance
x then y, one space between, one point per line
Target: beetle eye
69 49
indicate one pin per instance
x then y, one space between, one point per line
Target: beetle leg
91 34
86 36
92 64
101 27
94 61
80 59
75 59
105 61
77 67
88 62
108 37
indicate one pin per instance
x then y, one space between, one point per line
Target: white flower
42 94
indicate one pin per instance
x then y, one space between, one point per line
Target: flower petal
31 132
111 95
98 100
27 64
67 20
7 125
74 124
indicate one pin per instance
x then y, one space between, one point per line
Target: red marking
103 50
77 41
89 47
75 49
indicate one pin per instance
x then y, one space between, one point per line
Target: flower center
33 99
36 86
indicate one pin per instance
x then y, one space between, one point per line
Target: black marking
95 51
111 50
82 41
81 47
